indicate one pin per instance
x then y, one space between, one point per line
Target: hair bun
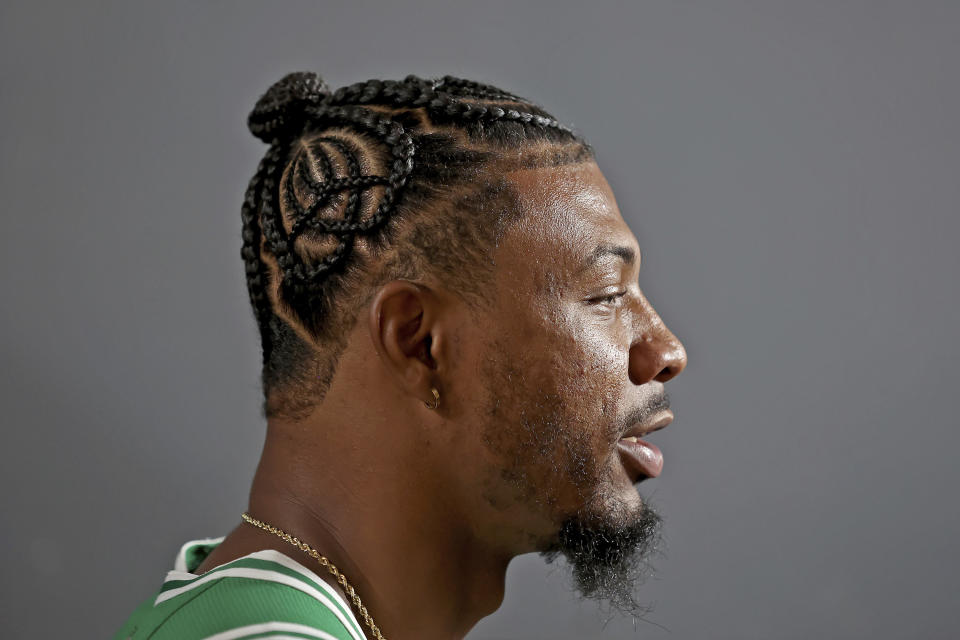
281 111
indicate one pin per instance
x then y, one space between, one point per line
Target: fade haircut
373 182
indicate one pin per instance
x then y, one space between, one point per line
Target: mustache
642 414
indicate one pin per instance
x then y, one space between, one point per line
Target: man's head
447 234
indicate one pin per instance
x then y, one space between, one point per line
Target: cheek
586 374
592 368
556 362
548 415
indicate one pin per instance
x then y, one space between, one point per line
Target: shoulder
265 594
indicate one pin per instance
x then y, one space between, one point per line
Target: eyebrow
625 253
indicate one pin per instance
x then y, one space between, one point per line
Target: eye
611 299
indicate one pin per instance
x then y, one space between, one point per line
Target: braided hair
376 181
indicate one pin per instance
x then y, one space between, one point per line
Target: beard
548 462
608 553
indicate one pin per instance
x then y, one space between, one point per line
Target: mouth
642 459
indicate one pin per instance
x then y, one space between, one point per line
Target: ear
405 333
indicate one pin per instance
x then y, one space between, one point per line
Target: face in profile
571 359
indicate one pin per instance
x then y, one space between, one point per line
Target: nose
656 354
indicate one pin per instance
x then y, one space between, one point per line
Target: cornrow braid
298 276
461 86
374 181
250 251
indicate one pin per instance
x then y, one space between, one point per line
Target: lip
642 459
639 430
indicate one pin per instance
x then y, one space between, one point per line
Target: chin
607 549
631 499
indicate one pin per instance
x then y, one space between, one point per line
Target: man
459 367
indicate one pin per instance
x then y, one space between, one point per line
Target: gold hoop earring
436 399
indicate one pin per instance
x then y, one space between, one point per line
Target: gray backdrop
790 170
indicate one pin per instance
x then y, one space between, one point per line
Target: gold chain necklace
313 553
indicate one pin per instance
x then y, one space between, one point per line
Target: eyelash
609 299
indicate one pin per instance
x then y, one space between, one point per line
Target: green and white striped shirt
263 595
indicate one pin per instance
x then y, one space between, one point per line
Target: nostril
653 358
667 373
675 362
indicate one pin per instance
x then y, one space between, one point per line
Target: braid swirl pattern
301 106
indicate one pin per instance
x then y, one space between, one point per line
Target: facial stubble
605 541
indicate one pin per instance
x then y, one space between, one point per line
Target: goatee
609 557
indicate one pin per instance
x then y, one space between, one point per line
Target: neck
388 525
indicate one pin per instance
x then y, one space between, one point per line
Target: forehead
567 212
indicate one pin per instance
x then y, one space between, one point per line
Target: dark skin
423 509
